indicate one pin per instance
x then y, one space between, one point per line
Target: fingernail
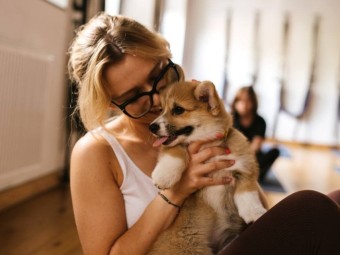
219 135
227 151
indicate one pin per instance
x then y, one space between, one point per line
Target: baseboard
22 192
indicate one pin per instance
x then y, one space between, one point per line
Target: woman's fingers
201 165
201 176
208 181
194 147
196 81
207 153
210 167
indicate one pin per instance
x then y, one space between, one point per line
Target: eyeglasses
139 105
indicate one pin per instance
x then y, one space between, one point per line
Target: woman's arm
256 143
99 207
97 201
260 130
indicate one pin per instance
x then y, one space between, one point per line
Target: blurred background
288 50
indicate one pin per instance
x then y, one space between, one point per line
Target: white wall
33 44
142 11
203 56
205 52
173 27
173 21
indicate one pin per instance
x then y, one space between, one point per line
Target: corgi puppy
213 216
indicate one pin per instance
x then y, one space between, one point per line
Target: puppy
213 216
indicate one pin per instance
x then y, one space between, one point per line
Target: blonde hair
101 42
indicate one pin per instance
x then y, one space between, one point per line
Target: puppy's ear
206 92
180 72
171 75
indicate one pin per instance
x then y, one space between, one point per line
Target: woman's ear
206 92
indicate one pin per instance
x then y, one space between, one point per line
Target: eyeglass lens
143 104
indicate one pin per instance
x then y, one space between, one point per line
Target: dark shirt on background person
253 126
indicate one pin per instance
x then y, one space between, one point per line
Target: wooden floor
44 225
306 167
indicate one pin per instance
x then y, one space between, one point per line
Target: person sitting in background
253 126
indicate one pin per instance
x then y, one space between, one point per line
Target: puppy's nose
154 127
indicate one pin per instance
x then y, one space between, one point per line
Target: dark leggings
306 222
266 160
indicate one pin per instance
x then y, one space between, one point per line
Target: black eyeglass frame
147 93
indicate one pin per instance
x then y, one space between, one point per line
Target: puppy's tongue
160 141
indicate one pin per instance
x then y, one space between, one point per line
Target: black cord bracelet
168 201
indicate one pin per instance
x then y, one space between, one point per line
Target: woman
119 65
253 126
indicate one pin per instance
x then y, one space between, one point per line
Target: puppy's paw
252 213
168 171
164 180
249 206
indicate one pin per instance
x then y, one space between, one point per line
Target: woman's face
244 104
132 76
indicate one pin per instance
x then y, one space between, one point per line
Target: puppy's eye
177 110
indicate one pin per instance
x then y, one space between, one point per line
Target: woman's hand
197 174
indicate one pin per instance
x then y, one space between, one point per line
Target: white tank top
137 188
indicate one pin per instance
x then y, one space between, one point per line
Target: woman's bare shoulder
90 143
94 142
91 151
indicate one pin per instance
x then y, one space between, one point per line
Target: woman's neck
136 139
127 128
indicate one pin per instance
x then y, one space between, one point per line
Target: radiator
24 77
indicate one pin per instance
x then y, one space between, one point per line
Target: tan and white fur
213 216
